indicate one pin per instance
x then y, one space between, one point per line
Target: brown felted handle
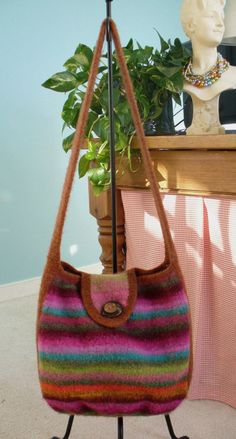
54 250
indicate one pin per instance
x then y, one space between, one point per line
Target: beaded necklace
209 77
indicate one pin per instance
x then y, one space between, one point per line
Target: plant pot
163 125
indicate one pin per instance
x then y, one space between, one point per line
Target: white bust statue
203 23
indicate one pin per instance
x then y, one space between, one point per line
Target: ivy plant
157 79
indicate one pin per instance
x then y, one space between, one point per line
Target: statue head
203 21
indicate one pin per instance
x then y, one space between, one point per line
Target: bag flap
109 299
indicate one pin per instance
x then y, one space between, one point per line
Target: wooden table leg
100 208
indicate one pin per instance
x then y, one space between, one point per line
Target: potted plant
157 79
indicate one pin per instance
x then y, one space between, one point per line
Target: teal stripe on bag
181 310
113 357
135 316
64 312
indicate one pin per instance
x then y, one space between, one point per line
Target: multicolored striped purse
113 344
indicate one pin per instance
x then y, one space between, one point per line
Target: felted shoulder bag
113 344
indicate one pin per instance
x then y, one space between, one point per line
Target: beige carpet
23 414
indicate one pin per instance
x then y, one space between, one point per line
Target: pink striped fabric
204 233
128 409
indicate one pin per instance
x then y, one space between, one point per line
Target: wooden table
189 165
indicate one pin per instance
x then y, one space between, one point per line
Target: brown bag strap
54 250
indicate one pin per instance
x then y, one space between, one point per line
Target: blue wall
36 38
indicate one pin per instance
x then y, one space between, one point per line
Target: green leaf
130 44
103 158
147 52
83 166
159 98
149 72
177 62
91 155
101 69
104 98
101 147
168 71
67 142
96 104
178 81
156 114
99 176
178 53
63 127
123 113
70 115
92 149
159 81
84 55
82 77
70 100
77 61
92 117
139 45
164 44
71 109
101 128
171 87
122 141
97 190
145 105
61 81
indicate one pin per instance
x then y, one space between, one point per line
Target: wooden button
112 309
